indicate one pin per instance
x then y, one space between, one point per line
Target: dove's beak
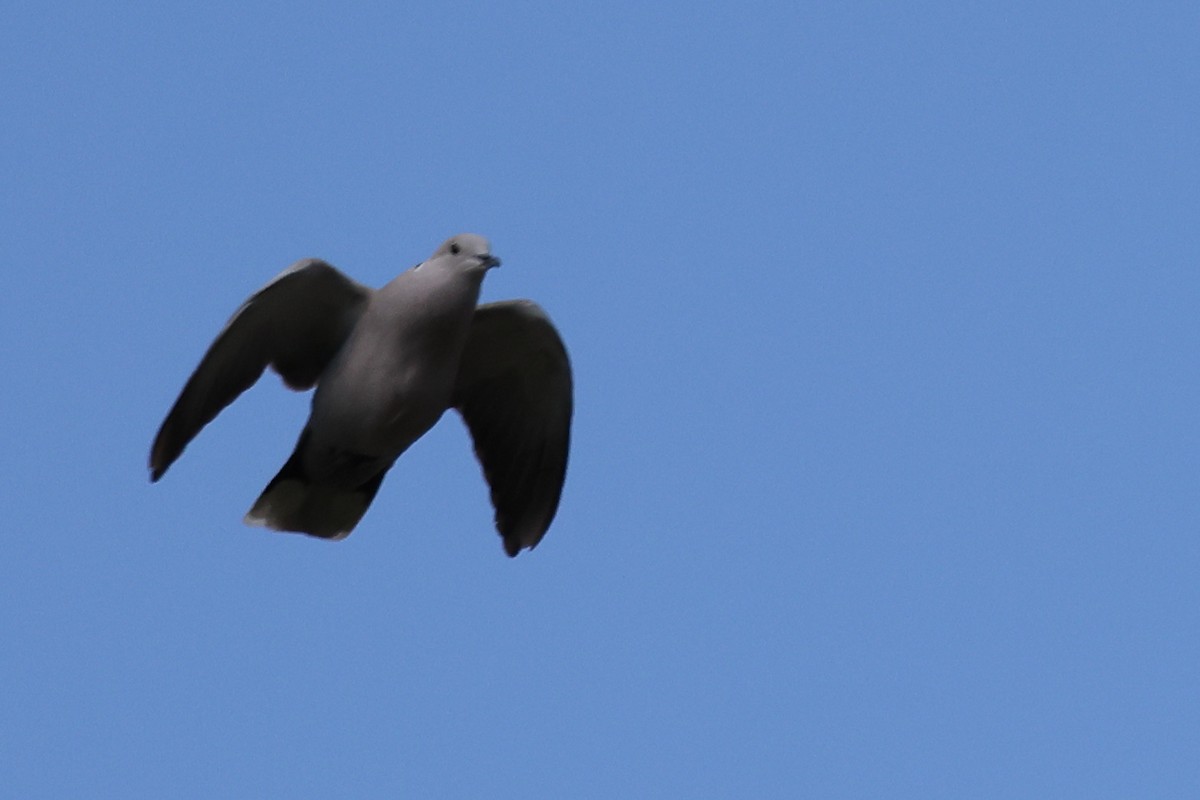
489 261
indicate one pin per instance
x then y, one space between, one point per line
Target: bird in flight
386 364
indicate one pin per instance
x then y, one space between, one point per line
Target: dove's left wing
514 392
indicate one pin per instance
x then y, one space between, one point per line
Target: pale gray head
468 250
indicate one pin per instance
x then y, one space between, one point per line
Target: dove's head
469 251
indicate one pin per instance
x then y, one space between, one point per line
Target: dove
387 364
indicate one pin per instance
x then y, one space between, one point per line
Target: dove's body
387 364
393 378
388 385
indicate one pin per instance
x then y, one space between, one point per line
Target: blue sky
885 469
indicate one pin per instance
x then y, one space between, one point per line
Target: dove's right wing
295 324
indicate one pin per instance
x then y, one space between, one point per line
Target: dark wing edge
514 392
295 324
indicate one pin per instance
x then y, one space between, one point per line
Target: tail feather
293 502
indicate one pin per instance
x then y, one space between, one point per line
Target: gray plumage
387 364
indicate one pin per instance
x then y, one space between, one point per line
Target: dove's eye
454 249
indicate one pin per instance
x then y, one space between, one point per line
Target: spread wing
295 324
514 392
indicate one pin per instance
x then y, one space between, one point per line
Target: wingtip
159 462
515 543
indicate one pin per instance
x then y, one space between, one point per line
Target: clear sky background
886 462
